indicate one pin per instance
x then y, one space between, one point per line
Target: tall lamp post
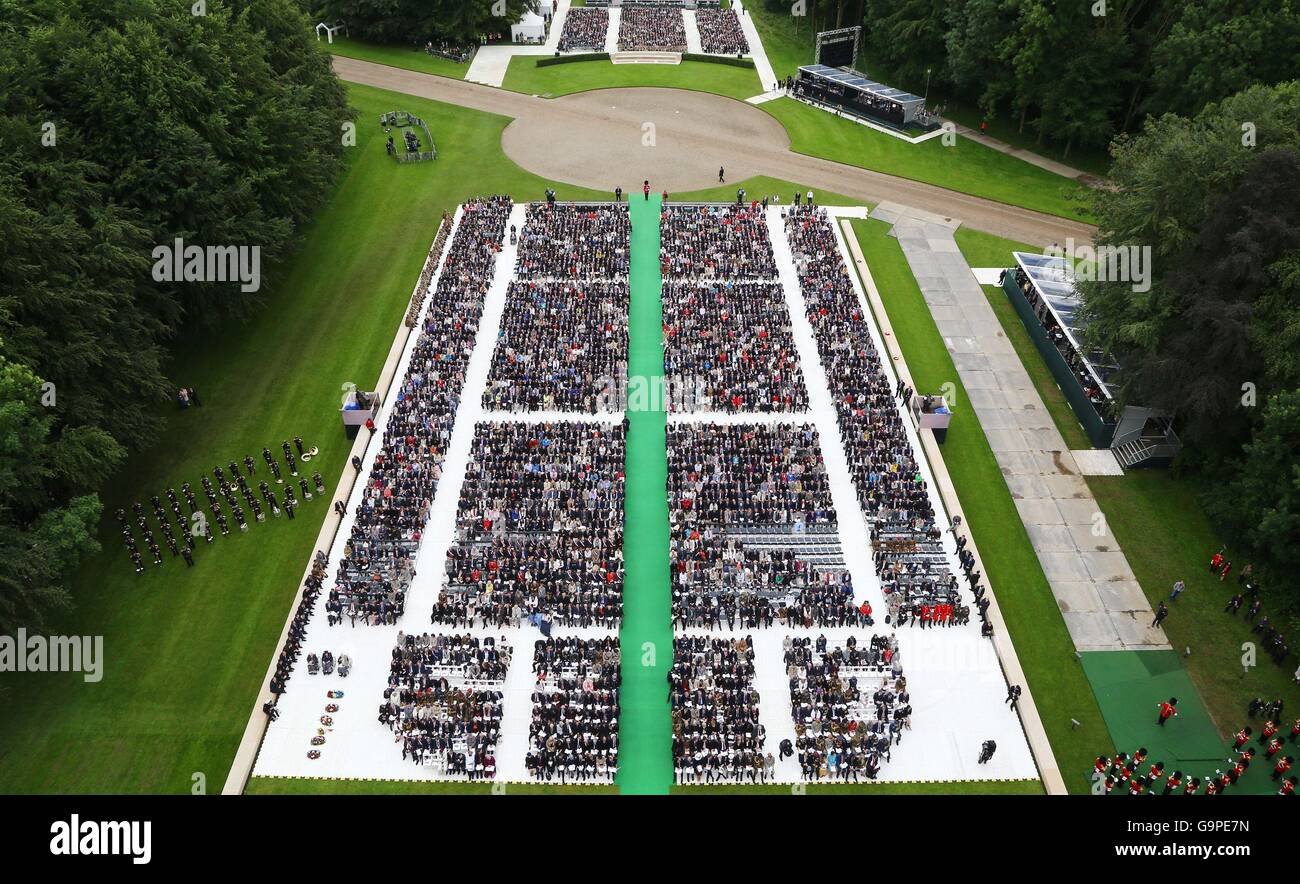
927 85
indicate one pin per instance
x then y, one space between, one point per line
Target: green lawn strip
1060 688
995 787
1166 536
552 81
986 250
298 786
186 649
646 638
966 167
409 58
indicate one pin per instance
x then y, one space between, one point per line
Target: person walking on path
722 175
1162 611
1168 710
645 188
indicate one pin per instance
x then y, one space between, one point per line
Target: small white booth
531 28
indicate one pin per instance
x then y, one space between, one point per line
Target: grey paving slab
1078 511
1105 567
1078 596
977 380
1103 606
1095 537
1050 538
1063 566
1039 512
1136 632
1006 440
1067 487
1031 488
1092 631
1124 595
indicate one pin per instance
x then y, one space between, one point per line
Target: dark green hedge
719 59
566 59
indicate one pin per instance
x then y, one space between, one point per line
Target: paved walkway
1103 605
762 66
491 63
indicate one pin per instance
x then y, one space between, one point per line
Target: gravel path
595 139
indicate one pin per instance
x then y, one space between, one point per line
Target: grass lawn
985 250
1166 536
999 787
409 57
966 167
185 649
293 786
555 80
1060 689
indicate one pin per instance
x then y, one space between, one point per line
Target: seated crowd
641 30
891 490
443 701
725 242
562 346
716 733
732 344
379 556
584 29
720 32
574 731
766 484
562 241
850 705
1091 388
539 528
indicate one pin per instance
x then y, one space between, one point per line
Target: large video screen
837 53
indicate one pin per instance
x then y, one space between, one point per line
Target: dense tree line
125 124
1216 340
461 22
1072 72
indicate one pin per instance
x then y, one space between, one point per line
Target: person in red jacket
1167 710
1175 780
1242 736
1270 729
1288 787
1282 767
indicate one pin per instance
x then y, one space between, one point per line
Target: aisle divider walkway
646 639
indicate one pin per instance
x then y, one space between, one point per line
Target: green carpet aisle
645 732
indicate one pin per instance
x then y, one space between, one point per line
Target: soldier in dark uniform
188 557
250 464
